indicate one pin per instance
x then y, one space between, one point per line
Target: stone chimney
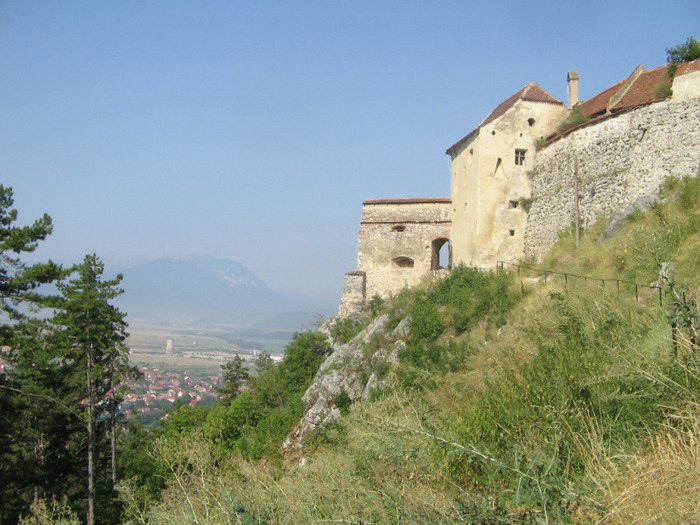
572 84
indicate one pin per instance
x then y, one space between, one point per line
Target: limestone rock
350 368
643 203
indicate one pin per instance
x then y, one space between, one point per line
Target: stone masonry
515 176
398 245
620 159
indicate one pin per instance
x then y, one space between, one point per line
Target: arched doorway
441 254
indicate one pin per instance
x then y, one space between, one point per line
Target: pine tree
19 281
30 417
91 335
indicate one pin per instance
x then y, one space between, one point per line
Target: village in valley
178 369
155 393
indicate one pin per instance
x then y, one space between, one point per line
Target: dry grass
384 475
662 485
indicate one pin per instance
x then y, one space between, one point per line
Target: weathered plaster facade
490 177
513 185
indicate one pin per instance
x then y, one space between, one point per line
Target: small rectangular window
520 157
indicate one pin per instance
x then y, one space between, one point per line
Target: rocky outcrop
642 204
351 368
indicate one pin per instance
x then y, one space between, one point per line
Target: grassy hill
512 400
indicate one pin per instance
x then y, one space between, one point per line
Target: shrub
470 294
663 90
376 305
574 119
685 52
425 321
342 401
343 329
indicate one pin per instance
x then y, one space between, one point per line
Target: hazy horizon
253 131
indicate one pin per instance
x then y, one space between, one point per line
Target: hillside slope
484 397
524 402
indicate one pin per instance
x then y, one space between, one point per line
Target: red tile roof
688 67
641 92
598 104
531 92
634 91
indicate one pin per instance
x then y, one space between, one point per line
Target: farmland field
192 348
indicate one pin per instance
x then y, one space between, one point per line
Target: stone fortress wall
621 159
399 243
618 159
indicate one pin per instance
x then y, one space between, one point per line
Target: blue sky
254 130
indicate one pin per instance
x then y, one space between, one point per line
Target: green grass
512 401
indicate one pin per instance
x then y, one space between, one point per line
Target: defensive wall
633 142
399 243
620 158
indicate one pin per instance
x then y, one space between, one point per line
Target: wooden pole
576 201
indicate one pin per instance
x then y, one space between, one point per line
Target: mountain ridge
206 289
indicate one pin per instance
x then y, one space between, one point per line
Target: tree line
66 452
61 384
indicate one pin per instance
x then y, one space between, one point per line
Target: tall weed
531 418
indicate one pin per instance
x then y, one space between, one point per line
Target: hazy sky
253 130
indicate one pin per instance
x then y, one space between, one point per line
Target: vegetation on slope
512 401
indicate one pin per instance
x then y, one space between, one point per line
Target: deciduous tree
235 376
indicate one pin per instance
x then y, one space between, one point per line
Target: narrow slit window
520 157
398 228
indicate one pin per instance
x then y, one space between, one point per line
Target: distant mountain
202 290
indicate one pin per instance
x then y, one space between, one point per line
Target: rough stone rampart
620 159
406 210
395 242
398 245
354 293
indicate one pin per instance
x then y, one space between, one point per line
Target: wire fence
550 275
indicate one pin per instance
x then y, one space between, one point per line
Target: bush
376 305
343 329
470 294
425 321
574 119
342 401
